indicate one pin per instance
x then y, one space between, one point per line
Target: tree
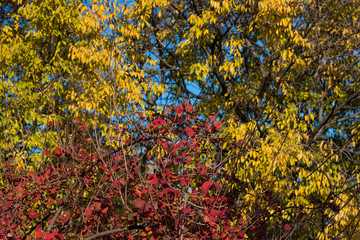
281 76
58 63
93 194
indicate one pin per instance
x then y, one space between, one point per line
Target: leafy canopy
279 81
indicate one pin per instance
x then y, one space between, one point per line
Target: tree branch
109 232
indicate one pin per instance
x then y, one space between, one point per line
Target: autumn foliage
88 193
174 119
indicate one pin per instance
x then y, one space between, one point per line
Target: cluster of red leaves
82 193
28 198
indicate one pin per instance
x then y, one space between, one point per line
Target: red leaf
97 206
64 218
207 218
47 153
104 210
48 236
179 110
88 213
33 214
8 205
189 132
217 125
141 115
182 180
241 221
58 151
54 190
115 167
138 202
217 186
146 207
39 234
50 201
153 179
187 210
167 110
168 190
287 227
188 107
206 186
159 121
102 166
214 213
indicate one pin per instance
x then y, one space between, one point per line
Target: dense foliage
170 119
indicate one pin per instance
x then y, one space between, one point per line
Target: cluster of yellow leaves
282 164
59 60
